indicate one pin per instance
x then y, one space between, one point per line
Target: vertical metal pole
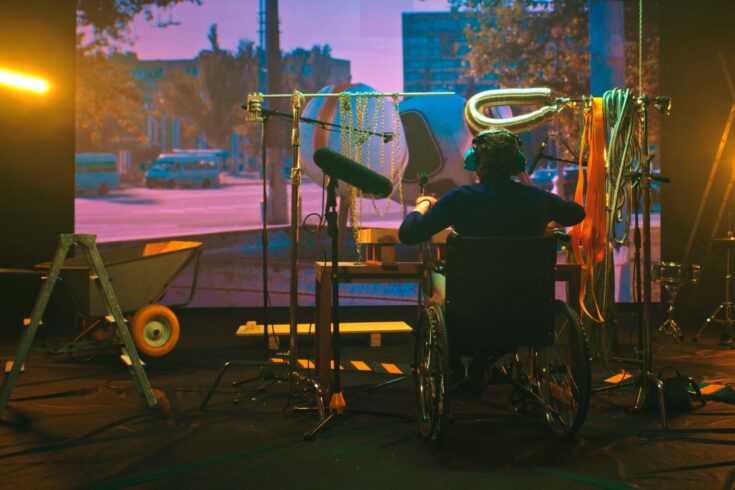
264 237
728 299
296 101
637 265
333 232
646 190
262 72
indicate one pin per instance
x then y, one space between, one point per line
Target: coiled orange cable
589 238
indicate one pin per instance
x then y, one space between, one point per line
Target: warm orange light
20 81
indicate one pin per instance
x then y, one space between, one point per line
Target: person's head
497 155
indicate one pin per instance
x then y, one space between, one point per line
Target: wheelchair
490 299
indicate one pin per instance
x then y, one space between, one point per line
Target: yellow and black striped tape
360 366
712 391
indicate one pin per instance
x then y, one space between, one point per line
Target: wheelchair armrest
435 265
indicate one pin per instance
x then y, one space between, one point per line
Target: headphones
470 157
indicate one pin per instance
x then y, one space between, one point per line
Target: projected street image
164 148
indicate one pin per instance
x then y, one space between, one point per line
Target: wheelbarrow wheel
155 330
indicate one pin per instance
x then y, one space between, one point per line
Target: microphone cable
623 160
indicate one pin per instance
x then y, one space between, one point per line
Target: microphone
340 167
423 179
538 156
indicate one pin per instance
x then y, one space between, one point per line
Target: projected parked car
96 172
184 170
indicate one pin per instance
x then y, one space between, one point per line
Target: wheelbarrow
140 276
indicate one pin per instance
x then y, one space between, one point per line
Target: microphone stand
256 113
647 383
337 403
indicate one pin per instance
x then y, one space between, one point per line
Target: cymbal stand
727 305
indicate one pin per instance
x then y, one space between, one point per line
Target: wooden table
351 272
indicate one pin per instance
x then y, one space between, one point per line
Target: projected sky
371 40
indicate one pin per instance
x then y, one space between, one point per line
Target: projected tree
108 99
109 19
531 43
108 103
528 43
309 70
211 101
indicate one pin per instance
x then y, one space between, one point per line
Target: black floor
75 424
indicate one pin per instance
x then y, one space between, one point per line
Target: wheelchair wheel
563 373
431 361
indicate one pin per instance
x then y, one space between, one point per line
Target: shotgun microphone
349 171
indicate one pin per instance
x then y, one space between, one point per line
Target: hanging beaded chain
356 132
395 153
358 142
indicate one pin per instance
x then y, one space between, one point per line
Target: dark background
36 140
691 74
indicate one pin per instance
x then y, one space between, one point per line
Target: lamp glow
20 81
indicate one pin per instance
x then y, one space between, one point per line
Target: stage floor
80 425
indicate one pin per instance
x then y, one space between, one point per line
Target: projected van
182 169
95 172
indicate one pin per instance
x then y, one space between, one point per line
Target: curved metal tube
477 121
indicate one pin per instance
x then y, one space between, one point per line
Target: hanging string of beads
359 121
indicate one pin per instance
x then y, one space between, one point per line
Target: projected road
137 212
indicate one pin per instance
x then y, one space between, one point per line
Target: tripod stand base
671 328
728 334
267 374
646 382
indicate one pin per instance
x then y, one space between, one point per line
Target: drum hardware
726 306
672 276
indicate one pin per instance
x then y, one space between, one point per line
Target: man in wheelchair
495 294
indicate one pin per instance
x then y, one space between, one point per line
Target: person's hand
424 203
525 179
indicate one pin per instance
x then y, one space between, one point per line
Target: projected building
164 132
435 53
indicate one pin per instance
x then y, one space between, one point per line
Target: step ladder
99 275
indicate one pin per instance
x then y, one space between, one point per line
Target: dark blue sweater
507 208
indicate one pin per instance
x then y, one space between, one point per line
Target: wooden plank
390 235
249 330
